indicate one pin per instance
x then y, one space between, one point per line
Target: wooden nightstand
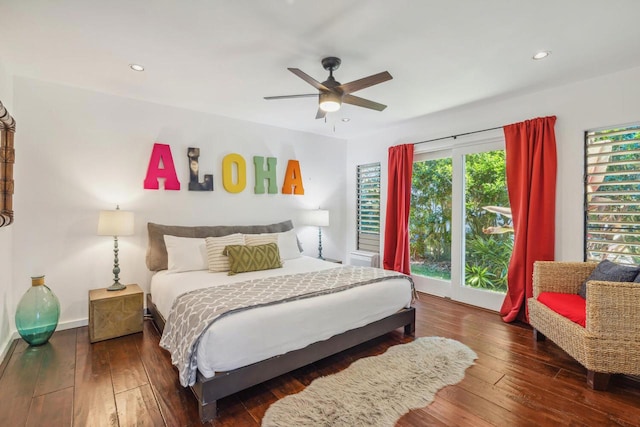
337 261
115 313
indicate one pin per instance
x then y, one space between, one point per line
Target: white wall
82 152
599 102
6 282
79 152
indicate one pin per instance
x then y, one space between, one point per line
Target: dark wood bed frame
209 390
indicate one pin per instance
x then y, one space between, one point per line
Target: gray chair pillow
610 272
157 251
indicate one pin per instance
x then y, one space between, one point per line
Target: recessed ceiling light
136 67
346 119
542 54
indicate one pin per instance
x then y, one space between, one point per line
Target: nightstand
115 313
337 261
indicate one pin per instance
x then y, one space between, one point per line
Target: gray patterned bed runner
193 312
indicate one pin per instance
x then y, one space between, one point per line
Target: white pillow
288 245
185 253
215 246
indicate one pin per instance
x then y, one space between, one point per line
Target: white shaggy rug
377 390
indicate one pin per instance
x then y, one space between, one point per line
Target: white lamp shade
318 217
115 223
330 102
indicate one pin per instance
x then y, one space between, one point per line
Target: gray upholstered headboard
157 251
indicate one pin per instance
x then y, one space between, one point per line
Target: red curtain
396 232
531 181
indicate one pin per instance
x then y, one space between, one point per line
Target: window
612 195
430 217
368 212
487 232
461 235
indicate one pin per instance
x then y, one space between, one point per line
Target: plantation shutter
368 209
612 195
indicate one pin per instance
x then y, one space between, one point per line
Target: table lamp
319 218
115 223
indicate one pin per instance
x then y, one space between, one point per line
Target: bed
272 341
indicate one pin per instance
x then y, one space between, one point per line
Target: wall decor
194 184
229 163
7 159
268 174
161 155
234 173
293 179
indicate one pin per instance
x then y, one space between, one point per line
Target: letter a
161 154
293 179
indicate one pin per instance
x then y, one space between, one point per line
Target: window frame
592 139
457 149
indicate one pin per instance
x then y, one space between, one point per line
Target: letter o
227 173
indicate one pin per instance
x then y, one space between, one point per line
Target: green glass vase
37 313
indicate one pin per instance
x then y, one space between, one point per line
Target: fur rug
377 390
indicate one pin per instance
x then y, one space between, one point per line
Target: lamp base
320 243
117 286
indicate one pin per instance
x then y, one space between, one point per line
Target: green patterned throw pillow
252 258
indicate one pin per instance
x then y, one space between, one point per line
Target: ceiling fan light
329 106
330 102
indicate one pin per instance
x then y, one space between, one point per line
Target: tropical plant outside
488 240
430 216
487 247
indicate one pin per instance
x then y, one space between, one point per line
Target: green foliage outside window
487 253
488 242
612 195
430 214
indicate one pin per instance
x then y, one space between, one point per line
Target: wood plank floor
129 381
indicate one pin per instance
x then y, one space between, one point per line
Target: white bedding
253 335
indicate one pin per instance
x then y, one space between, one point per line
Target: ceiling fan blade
321 113
306 95
361 102
365 82
307 78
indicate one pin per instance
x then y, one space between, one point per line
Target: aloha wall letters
234 173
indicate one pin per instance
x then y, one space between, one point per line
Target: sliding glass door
460 223
430 221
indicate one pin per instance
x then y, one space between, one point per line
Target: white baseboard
70 324
4 347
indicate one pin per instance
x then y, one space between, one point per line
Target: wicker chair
610 342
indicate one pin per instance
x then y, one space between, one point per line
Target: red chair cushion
571 306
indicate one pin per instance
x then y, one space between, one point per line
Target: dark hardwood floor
129 381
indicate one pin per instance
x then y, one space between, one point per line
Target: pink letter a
161 153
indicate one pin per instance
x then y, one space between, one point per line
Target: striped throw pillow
252 258
260 239
215 246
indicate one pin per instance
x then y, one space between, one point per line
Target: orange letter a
293 179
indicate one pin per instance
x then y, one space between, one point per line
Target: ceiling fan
332 94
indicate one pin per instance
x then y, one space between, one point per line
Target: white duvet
250 336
